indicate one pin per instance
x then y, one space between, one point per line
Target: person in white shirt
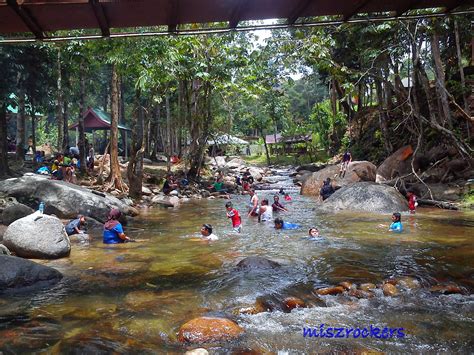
265 212
206 232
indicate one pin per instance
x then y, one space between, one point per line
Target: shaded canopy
40 17
95 119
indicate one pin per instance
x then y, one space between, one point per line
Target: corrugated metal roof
40 17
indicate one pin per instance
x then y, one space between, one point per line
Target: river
134 297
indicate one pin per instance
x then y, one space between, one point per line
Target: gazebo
98 120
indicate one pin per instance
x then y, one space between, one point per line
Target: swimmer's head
278 223
206 230
276 198
396 217
264 202
228 206
313 232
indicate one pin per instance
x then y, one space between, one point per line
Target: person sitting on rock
206 233
280 224
327 189
74 226
265 212
113 230
169 184
277 206
396 225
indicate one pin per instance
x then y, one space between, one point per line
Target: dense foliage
372 87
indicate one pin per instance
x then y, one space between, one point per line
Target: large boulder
209 329
17 273
356 171
61 198
37 236
311 167
366 196
236 163
14 212
256 263
397 164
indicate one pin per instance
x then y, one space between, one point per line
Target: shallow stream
133 298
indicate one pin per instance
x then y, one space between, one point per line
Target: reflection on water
134 297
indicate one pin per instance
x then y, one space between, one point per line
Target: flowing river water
133 298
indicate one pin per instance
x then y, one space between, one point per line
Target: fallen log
439 204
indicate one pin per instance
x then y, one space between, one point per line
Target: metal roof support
408 7
358 6
455 5
27 19
237 13
173 19
101 18
297 11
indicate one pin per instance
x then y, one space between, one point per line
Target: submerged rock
37 236
17 273
346 284
390 290
290 303
330 290
14 212
367 286
366 196
256 263
447 289
361 293
209 329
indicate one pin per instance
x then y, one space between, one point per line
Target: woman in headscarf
113 230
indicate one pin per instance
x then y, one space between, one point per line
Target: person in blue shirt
113 230
74 226
279 224
396 225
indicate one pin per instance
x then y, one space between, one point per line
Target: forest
370 88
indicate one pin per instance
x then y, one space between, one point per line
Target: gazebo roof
42 17
95 119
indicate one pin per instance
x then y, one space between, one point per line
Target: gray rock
311 167
14 212
366 196
256 263
37 236
62 199
80 238
17 273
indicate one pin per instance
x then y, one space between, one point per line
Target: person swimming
280 224
206 233
313 233
396 225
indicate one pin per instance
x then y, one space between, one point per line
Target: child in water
287 197
396 225
412 204
235 216
313 233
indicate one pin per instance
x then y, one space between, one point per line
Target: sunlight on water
134 297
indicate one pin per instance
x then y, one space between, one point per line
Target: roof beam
237 13
454 5
27 19
411 4
101 18
297 11
173 17
355 10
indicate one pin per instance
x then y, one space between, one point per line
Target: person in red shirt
235 216
412 201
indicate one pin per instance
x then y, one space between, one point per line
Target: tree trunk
168 132
65 126
33 131
4 169
461 70
115 177
82 137
20 127
59 103
383 117
135 164
267 154
445 112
